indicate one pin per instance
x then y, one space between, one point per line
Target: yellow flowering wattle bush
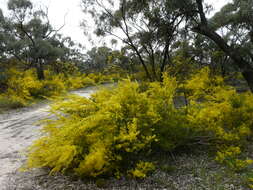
108 133
142 168
103 133
231 157
115 131
223 115
78 81
24 87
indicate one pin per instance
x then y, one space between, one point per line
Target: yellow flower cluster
112 131
224 115
23 86
142 168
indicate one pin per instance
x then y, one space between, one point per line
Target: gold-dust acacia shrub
172 129
99 78
113 132
108 134
223 116
53 85
22 86
78 81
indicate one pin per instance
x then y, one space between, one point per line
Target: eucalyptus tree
1 36
3 77
97 58
236 18
124 59
148 27
30 38
205 52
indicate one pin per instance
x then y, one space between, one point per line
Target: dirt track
18 129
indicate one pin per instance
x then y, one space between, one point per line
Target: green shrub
77 81
172 129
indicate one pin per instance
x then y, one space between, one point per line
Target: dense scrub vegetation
117 131
23 87
186 80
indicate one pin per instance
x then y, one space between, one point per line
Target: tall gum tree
29 37
148 27
237 14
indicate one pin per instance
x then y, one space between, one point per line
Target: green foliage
139 76
150 44
249 180
27 35
224 112
172 128
97 77
10 103
204 85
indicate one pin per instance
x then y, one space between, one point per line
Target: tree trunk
152 61
40 71
165 58
141 59
248 75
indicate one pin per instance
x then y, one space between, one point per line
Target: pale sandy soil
18 129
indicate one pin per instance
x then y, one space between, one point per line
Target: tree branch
201 12
26 33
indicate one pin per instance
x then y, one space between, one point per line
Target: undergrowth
23 87
115 132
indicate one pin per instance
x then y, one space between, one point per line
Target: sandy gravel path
18 129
